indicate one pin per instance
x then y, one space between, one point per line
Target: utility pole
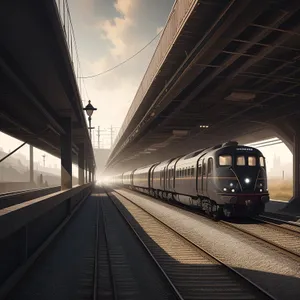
44 158
93 140
98 137
111 137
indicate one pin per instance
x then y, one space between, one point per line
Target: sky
107 33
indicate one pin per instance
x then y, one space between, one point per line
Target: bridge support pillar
31 164
66 155
86 171
294 205
81 164
90 173
296 161
93 174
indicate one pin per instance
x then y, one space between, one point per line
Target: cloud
107 33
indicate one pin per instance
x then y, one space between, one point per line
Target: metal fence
66 23
179 13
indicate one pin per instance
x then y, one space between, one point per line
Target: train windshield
225 160
241 160
250 160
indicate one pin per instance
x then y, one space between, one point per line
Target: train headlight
261 190
225 189
231 184
233 190
247 180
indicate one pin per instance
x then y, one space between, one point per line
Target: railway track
279 234
114 271
288 241
104 286
294 226
191 271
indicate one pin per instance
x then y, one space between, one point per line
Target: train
226 180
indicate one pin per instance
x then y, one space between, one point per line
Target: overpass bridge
222 70
40 100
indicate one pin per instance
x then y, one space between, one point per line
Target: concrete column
81 164
31 164
66 154
90 174
296 161
86 171
294 205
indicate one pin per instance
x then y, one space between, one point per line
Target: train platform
276 208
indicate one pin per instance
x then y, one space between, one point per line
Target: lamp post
89 111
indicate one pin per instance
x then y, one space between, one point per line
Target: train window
192 171
225 160
209 166
203 169
251 161
261 161
240 161
189 171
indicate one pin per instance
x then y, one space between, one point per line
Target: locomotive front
241 180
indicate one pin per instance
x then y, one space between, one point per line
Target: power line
123 62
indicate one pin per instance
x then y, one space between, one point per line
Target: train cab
240 180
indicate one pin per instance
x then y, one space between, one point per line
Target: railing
176 20
66 23
28 227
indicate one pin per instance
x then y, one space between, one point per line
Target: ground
280 189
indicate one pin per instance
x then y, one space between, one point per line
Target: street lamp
89 111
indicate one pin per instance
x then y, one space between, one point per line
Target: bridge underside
38 87
179 146
234 67
243 79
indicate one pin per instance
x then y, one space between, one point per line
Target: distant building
279 170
